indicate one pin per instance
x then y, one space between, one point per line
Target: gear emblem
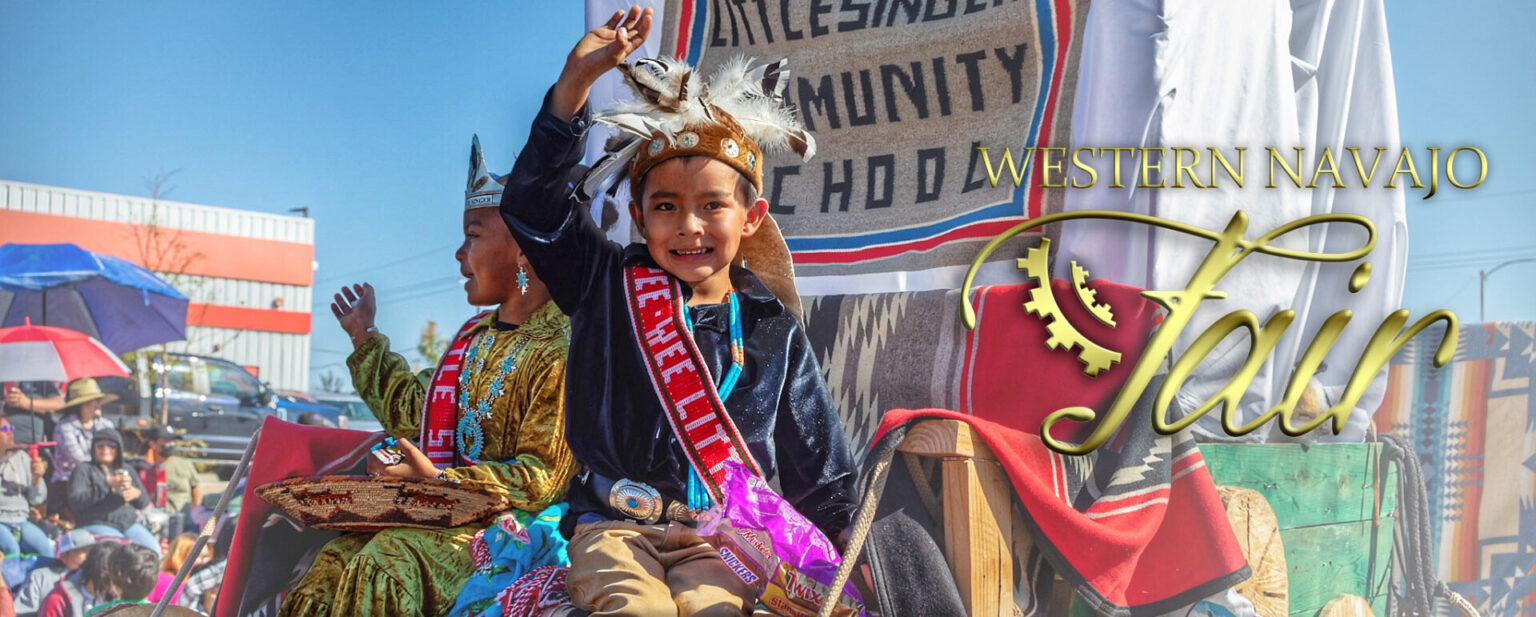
1042 304
1087 296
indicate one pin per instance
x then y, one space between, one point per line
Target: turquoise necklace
698 494
470 436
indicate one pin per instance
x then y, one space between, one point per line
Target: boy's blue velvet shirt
614 423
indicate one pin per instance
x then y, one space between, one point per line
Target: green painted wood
1081 608
1323 498
1378 607
1328 483
1326 561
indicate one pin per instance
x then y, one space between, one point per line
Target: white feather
671 97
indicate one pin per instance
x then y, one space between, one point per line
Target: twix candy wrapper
780 555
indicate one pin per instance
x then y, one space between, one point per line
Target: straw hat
85 390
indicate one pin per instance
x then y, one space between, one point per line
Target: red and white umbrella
43 353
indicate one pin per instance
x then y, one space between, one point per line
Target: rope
1413 521
861 525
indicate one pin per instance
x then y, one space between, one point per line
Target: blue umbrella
123 305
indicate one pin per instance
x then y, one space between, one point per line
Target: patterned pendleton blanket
1474 428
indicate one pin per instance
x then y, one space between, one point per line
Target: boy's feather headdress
676 113
733 117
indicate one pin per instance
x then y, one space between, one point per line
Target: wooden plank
945 438
1328 560
1329 483
977 503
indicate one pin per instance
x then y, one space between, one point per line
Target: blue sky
363 113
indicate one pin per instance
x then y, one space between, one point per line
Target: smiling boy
681 357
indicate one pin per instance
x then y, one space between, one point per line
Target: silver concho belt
639 501
635 500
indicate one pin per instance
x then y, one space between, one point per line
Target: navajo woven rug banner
897 95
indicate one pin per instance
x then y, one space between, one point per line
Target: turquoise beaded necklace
698 494
470 436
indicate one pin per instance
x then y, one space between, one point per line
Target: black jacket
614 423
92 500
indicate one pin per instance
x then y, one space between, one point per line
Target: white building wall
246 294
283 358
140 210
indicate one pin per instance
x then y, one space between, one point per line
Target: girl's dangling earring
522 279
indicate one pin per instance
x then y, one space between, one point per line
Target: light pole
1482 279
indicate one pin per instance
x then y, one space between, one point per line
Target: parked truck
216 405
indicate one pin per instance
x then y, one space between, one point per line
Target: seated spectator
73 548
313 418
180 551
87 588
21 487
82 411
38 399
131 572
7 604
202 588
105 498
172 479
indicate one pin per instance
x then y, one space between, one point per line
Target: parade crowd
612 390
607 397
85 524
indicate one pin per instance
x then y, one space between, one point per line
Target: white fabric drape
1272 73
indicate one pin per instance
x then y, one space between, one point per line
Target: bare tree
332 382
164 251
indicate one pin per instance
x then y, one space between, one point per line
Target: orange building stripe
204 254
242 318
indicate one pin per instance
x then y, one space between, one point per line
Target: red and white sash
680 377
440 410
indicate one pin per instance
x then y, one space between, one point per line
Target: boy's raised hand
596 53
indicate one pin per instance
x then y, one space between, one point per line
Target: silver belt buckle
635 500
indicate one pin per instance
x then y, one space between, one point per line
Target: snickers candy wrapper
779 554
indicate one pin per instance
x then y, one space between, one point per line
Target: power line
425 293
1466 253
1471 262
1464 197
385 295
436 251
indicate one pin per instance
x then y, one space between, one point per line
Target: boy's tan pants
623 568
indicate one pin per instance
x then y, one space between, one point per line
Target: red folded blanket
1136 526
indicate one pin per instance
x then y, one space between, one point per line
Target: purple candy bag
773 548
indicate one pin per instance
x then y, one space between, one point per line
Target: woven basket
367 503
